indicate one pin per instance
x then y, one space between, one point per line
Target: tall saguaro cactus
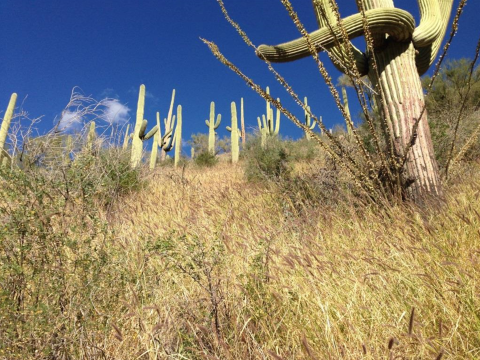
402 52
178 136
6 124
212 126
137 144
235 135
308 119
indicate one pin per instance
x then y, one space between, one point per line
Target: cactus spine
137 145
212 126
5 126
235 135
178 136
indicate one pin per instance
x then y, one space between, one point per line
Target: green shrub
205 159
266 163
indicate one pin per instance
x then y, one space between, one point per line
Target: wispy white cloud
71 120
116 112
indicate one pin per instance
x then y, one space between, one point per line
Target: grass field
201 264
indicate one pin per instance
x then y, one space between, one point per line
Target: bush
269 162
206 159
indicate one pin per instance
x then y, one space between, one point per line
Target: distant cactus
137 145
91 137
269 126
126 138
243 133
178 136
308 119
235 135
153 154
5 126
212 126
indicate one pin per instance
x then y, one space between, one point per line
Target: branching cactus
212 126
5 126
398 53
167 141
178 136
235 135
308 119
269 126
168 124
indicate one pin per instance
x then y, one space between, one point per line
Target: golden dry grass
201 264
333 284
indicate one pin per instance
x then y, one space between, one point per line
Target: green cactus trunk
243 133
402 52
178 136
212 126
91 137
137 144
235 135
126 138
401 85
153 154
6 125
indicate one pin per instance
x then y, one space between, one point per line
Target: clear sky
108 48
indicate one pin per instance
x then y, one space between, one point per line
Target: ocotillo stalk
234 143
126 138
91 137
401 52
168 123
308 119
347 110
242 124
153 154
212 126
6 124
137 144
178 136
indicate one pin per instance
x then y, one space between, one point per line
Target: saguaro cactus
243 133
91 136
178 136
308 119
235 134
5 126
212 126
137 145
401 53
269 126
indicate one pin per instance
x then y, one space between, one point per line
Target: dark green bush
266 163
206 159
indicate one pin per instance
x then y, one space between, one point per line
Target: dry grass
202 265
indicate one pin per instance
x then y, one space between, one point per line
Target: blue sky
108 48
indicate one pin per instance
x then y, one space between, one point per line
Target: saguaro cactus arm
397 23
137 145
6 122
